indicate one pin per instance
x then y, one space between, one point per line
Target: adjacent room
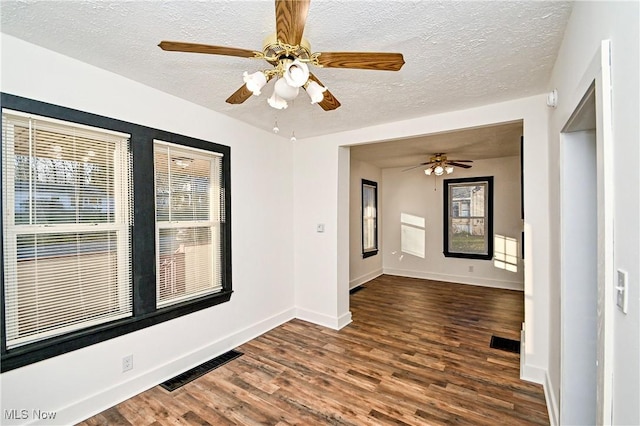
320 212
411 207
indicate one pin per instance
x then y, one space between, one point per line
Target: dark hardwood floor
417 352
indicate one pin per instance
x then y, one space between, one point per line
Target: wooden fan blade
462 161
329 102
291 16
178 46
415 167
240 95
362 60
464 166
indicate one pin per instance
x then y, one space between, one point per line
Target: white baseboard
344 320
552 401
94 404
364 278
324 320
540 376
457 279
532 374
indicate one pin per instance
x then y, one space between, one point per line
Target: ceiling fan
289 53
439 164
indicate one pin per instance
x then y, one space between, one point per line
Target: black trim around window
370 252
488 180
145 313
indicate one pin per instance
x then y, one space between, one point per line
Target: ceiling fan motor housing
274 50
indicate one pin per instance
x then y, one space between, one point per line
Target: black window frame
370 252
143 244
489 217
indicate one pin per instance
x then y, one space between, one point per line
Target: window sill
369 254
469 255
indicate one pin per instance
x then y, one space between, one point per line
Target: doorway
587 278
579 292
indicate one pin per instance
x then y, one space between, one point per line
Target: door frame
598 74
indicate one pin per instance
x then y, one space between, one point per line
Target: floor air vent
509 345
202 369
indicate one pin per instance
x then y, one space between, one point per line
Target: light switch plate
622 290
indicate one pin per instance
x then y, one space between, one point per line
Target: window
188 216
369 218
468 218
83 259
66 227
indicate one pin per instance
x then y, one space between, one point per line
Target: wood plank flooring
417 353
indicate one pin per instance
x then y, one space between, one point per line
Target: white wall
590 23
83 382
322 285
414 193
315 254
362 270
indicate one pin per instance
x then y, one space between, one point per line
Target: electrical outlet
127 363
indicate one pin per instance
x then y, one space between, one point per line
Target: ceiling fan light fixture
255 82
296 73
285 91
439 165
315 92
277 102
290 54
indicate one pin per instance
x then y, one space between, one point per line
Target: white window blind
66 193
189 213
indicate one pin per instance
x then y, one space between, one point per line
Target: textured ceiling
457 54
501 140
